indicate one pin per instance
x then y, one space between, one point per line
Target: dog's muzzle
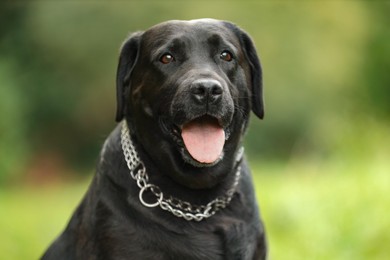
202 111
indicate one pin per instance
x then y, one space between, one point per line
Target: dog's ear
255 69
127 60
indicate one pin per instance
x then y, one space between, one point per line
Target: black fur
155 98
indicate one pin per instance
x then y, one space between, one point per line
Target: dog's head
187 89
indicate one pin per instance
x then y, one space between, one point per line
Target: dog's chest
222 241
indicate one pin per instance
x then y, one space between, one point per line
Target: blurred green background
320 158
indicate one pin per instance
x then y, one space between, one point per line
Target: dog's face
187 89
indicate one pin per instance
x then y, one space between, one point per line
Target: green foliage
13 143
377 78
324 67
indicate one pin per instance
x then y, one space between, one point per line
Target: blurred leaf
324 67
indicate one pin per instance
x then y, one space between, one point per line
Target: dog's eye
226 56
166 58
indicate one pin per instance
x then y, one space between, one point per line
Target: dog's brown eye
166 58
226 56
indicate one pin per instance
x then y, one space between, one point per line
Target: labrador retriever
171 181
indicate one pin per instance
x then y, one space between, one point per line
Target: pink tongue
204 139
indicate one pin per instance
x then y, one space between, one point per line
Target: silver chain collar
177 207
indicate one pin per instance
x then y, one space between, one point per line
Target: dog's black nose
206 90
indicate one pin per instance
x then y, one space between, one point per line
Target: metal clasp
149 205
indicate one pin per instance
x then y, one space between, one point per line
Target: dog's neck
167 202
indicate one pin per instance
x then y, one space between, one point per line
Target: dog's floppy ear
255 69
127 60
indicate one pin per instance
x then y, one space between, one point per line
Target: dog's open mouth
204 139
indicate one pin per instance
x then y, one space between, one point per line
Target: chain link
177 207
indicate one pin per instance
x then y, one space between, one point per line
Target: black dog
171 182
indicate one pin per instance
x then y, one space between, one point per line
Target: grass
311 211
30 217
327 211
